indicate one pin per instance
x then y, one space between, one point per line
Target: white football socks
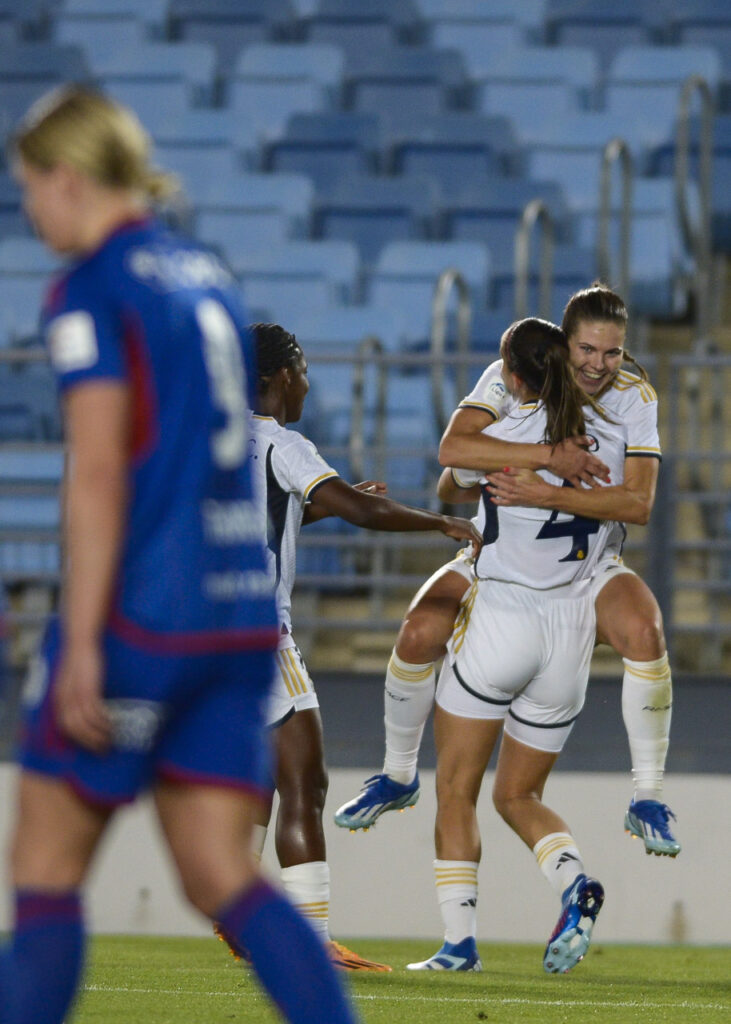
408 698
559 860
647 700
308 887
456 882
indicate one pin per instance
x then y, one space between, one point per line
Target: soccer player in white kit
628 617
300 486
518 662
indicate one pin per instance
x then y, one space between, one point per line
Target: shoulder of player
285 439
630 388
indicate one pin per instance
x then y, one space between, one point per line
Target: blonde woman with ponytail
156 671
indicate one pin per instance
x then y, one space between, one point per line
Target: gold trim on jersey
482 406
323 476
625 380
642 449
292 675
459 483
463 617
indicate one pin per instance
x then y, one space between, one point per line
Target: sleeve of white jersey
299 467
466 478
489 393
640 418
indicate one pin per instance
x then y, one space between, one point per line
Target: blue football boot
649 820
379 794
582 902
453 956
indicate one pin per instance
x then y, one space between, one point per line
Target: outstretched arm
376 512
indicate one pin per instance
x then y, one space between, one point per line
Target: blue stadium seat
326 147
526 12
573 268
524 83
479 41
571 153
12 219
288 194
31 466
604 25
152 11
402 15
155 101
27 70
337 263
25 271
644 83
196 165
311 62
405 83
352 37
205 128
407 272
372 211
101 38
229 25
490 211
453 148
190 63
29 408
343 328
267 104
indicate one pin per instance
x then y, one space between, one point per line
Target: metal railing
697 234
615 150
535 212
448 280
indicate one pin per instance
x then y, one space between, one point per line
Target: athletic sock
647 700
559 860
408 698
456 882
41 969
291 962
308 887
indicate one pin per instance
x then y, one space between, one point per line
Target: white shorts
292 689
462 563
608 566
521 655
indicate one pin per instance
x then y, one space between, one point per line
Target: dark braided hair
598 303
275 349
538 352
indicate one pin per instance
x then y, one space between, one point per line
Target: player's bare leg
520 778
299 836
630 621
408 698
464 746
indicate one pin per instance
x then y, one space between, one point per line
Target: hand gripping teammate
628 616
157 669
298 482
518 663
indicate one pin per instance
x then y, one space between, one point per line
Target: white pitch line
573 1003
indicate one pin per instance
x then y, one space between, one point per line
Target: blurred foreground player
158 669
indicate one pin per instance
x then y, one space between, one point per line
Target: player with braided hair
301 487
628 616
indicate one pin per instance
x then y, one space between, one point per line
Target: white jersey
287 468
536 547
629 401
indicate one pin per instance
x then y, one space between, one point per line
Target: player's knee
505 802
423 637
213 882
645 639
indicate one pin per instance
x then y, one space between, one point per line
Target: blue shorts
194 718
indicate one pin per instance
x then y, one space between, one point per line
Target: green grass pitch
143 980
